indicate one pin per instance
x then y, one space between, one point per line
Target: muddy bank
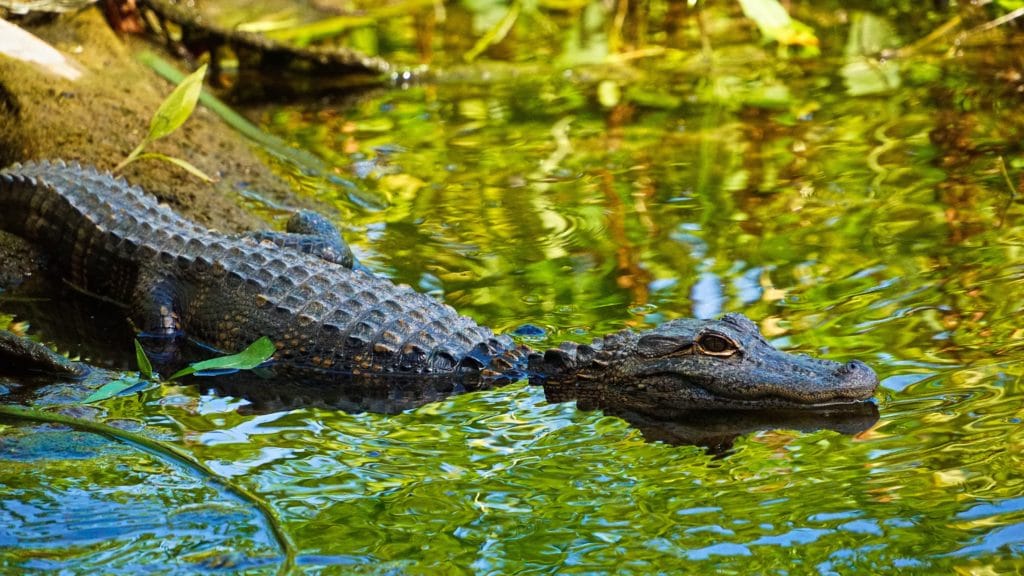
100 117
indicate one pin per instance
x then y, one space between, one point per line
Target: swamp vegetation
845 173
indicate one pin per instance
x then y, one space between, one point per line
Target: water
882 226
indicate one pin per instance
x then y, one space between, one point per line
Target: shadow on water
83 328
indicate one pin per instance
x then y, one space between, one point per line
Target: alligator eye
716 345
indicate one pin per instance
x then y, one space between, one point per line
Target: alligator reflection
81 327
715 430
369 394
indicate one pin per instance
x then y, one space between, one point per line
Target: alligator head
691 364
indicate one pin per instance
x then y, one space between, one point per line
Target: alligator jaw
777 394
785 380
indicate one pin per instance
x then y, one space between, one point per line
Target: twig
1009 185
1008 17
930 38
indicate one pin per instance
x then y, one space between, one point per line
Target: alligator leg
18 354
155 307
311 233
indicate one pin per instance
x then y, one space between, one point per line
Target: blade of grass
145 367
183 164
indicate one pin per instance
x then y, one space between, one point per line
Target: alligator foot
155 306
311 233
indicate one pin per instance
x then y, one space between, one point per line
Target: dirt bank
99 118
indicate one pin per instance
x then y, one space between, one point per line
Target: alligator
335 323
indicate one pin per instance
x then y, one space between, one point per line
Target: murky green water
878 226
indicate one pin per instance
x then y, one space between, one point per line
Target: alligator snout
858 379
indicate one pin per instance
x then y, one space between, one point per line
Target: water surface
851 217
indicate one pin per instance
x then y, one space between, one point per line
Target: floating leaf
178 106
145 367
121 387
257 353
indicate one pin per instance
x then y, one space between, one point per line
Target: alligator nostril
857 373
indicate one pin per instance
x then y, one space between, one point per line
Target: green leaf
869 35
127 384
769 15
145 367
177 162
257 353
609 93
776 24
178 106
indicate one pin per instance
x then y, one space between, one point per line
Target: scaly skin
331 323
688 364
174 276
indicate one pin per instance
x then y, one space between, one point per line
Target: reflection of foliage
666 179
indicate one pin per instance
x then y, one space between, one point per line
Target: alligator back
97 229
114 241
